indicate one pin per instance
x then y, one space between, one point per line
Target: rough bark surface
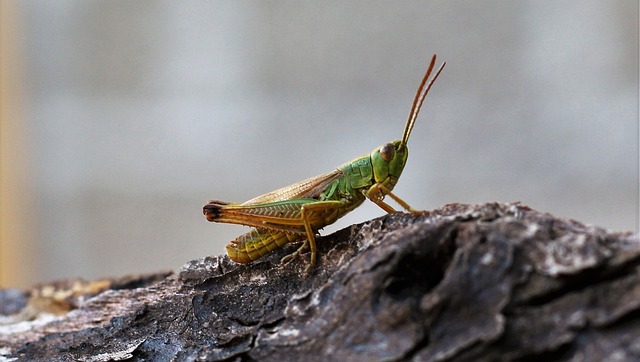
484 282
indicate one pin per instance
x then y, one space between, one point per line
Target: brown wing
276 210
305 189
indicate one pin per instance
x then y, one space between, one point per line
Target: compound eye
387 152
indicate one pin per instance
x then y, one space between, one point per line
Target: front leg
377 193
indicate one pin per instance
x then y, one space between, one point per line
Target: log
488 282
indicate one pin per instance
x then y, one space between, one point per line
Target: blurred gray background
137 113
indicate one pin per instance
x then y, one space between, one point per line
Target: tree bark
490 282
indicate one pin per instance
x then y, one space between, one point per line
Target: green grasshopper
297 212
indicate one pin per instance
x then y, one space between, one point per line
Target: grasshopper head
389 159
388 162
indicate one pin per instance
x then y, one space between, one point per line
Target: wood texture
490 282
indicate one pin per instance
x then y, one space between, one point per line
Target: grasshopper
294 213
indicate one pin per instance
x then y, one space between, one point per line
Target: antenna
419 99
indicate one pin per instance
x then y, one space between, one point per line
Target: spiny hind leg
289 257
307 213
309 243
